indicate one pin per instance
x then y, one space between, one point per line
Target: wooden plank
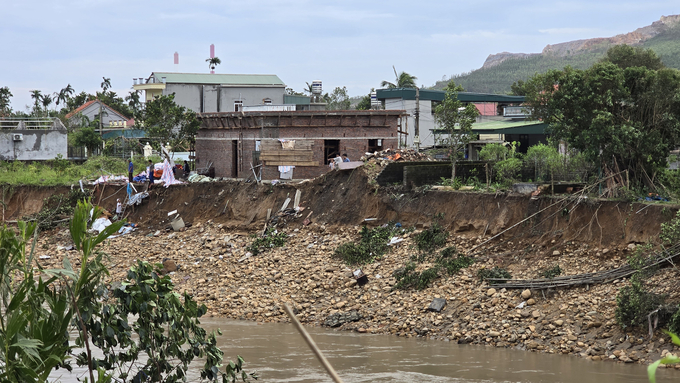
292 163
284 159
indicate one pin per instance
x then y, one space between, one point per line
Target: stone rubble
204 261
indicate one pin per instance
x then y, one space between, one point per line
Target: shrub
371 246
634 303
495 273
507 170
449 261
551 272
271 238
431 238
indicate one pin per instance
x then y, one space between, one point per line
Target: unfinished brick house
280 141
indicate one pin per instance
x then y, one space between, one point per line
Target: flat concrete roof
438 95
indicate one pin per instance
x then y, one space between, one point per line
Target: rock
494 334
338 319
556 252
437 304
605 251
490 292
531 302
526 294
340 305
536 314
559 322
361 330
169 266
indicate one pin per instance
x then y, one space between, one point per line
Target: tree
106 84
162 118
36 95
88 137
456 120
365 102
625 56
402 80
213 62
625 116
46 101
5 95
338 99
63 95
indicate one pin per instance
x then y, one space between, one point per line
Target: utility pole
416 139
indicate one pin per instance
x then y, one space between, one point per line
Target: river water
279 354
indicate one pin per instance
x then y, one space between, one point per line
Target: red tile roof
85 105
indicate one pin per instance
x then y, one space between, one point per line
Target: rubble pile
377 160
211 263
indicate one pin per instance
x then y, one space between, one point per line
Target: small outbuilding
291 144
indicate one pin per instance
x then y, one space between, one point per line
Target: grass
371 246
62 172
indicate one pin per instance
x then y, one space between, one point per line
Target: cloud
570 31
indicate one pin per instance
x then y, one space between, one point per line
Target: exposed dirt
346 198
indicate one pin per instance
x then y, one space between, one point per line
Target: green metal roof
510 127
438 95
506 127
225 79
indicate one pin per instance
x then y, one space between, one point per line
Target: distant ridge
500 70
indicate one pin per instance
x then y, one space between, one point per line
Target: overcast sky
46 45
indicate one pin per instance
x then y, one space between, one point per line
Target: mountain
502 69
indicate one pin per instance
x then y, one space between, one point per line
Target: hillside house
235 143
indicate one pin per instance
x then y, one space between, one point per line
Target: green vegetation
63 172
448 262
495 273
615 113
455 119
163 119
144 332
669 359
371 246
270 239
551 272
431 238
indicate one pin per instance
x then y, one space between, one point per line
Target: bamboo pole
310 342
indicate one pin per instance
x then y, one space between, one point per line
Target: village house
214 93
501 118
291 144
91 110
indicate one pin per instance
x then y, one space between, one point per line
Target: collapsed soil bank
579 236
346 198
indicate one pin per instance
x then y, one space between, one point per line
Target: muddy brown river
279 354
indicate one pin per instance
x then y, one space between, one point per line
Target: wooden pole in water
312 345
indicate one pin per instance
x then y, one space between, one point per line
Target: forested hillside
499 78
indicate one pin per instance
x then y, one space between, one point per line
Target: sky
46 45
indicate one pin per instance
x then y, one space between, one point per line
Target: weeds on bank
373 244
494 273
551 272
58 207
431 238
448 262
271 239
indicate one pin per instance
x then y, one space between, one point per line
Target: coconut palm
403 80
213 62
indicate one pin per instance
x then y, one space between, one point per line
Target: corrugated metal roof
438 95
225 79
510 127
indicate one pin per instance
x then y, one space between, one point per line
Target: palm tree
213 62
46 100
64 94
106 84
36 95
403 80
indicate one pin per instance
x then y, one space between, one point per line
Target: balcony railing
31 123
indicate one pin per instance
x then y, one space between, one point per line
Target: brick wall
214 141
